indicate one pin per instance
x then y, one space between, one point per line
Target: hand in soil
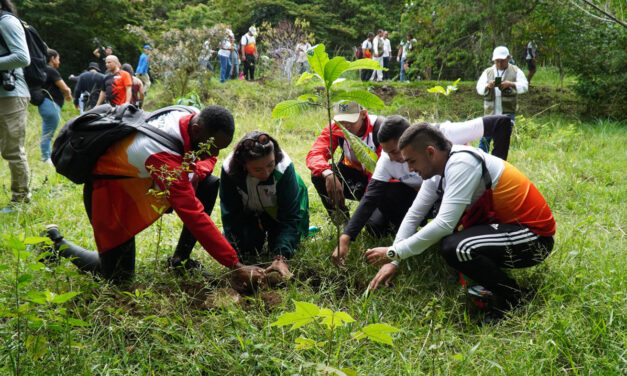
281 267
249 276
341 252
385 275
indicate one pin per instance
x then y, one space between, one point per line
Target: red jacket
121 208
319 155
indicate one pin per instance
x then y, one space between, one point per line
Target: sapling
328 71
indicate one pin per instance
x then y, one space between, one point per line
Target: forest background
455 38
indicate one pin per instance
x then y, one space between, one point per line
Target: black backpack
83 139
35 72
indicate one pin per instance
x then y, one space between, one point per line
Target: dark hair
392 128
422 135
8 6
215 119
52 53
246 151
379 31
127 67
370 34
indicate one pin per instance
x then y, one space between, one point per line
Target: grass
166 324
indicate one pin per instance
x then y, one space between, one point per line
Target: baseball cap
253 30
346 111
93 66
147 47
501 52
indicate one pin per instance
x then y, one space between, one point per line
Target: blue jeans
225 67
50 115
403 74
485 142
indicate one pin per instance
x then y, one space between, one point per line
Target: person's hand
490 84
335 191
384 275
280 265
341 252
67 98
377 256
249 276
506 84
398 59
243 57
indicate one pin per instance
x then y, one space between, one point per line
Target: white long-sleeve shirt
522 85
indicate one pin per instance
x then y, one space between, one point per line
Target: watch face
391 253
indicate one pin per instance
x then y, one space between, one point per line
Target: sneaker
49 254
49 162
52 231
189 265
14 205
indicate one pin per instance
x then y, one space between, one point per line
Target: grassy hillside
165 324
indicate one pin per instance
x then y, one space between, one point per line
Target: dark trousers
386 64
353 183
500 136
481 251
255 230
118 264
366 74
249 67
397 201
499 128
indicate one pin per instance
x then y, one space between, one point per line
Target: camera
8 80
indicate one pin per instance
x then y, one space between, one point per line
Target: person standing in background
249 53
387 52
142 68
13 104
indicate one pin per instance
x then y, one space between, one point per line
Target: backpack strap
485 174
162 137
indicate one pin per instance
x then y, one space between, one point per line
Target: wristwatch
391 253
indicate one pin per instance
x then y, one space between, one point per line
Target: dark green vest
508 96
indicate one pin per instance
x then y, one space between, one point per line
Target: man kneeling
119 204
506 221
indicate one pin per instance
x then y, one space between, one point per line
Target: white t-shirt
407 46
387 48
225 48
367 45
247 39
462 186
301 51
457 133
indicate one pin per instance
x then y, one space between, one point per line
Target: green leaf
37 346
58 299
303 343
334 68
364 64
308 98
76 322
363 153
377 333
304 314
334 319
349 371
458 357
362 97
318 58
36 266
14 243
24 278
328 370
38 297
289 108
437 90
304 78
36 240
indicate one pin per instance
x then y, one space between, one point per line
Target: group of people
378 47
427 187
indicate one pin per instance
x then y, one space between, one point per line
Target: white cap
347 111
501 52
253 30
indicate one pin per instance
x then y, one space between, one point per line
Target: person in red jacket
351 178
119 204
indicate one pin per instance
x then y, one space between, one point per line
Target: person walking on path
249 53
143 66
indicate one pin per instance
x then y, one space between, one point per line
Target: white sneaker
49 162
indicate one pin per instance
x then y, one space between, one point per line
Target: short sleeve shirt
50 86
115 87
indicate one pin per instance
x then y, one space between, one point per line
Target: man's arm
318 157
522 85
482 83
375 191
101 98
184 202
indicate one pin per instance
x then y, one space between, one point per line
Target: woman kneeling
262 196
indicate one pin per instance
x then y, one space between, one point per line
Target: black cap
94 66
